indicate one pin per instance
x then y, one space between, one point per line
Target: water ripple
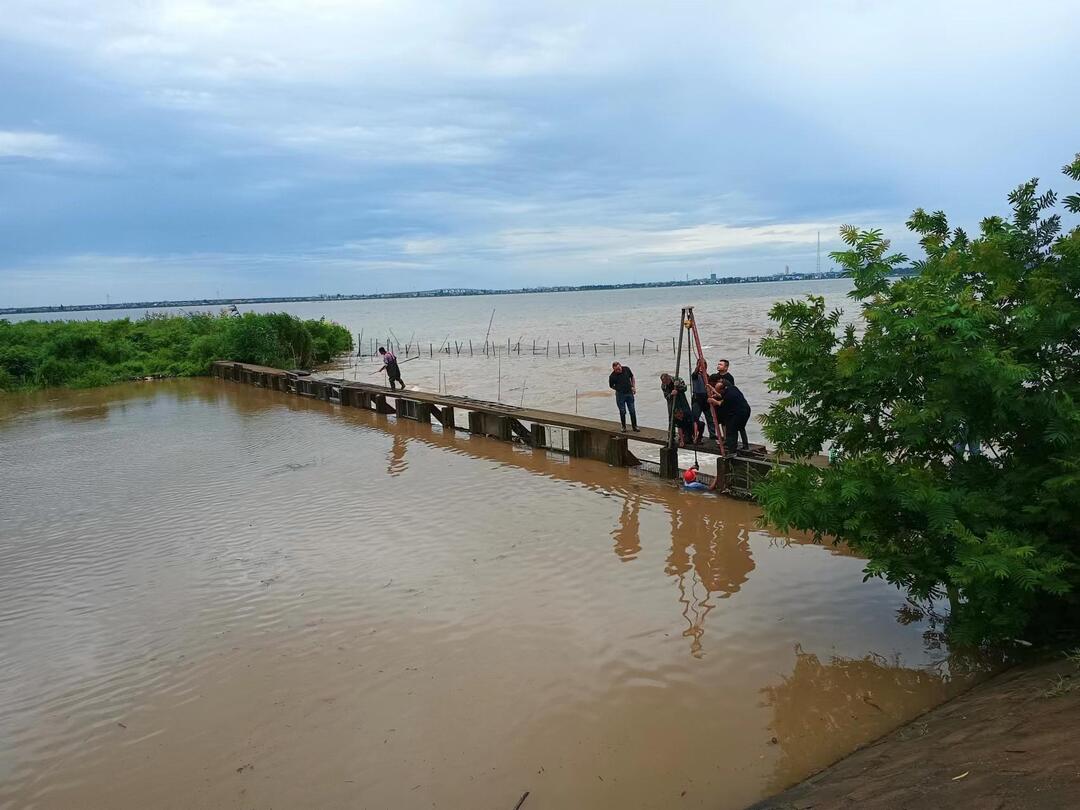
206 588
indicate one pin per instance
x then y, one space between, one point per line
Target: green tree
84 354
979 348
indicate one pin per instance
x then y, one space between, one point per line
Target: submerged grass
86 354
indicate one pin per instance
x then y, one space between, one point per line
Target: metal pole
672 444
689 350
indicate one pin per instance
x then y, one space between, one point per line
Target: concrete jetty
586 437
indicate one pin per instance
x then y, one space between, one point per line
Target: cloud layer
180 148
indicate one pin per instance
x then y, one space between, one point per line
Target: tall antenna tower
819 252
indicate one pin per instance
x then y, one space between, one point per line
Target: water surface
218 596
576 336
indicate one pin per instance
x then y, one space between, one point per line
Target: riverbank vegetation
84 354
952 416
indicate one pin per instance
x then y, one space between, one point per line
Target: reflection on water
708 559
216 595
628 533
396 463
865 697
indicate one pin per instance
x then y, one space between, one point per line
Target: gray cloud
333 145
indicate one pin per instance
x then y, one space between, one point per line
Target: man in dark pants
390 366
674 391
722 373
734 410
622 383
699 389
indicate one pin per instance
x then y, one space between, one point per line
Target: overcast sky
174 149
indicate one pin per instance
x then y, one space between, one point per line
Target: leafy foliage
980 348
84 354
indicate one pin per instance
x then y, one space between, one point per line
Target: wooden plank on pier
646 435
599 439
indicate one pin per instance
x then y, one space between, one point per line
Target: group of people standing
715 404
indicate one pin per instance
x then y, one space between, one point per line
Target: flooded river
219 596
577 335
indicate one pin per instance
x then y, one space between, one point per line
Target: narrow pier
585 437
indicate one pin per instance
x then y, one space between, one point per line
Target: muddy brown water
577 335
219 596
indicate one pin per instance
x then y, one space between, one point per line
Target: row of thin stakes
490 348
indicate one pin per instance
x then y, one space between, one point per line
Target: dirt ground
1012 742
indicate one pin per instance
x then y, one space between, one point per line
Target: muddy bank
1008 743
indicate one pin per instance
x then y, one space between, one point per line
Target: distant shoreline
448 292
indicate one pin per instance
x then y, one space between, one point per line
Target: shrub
89 353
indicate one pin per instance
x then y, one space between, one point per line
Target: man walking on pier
622 383
390 366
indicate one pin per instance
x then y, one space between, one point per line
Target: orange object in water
690 476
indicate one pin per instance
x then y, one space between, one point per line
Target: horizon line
442 292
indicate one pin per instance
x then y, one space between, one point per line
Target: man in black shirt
722 373
622 383
735 412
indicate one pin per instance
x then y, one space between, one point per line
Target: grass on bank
85 354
